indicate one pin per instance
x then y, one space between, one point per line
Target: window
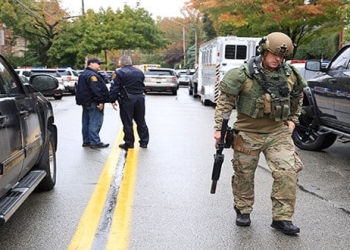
342 61
236 52
8 85
46 72
159 72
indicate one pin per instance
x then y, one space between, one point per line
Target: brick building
9 45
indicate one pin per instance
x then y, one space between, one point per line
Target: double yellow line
119 231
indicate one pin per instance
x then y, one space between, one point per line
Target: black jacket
91 88
129 77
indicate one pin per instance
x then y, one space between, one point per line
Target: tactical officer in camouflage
267 94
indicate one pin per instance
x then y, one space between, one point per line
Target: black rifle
226 134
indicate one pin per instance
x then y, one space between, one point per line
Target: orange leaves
262 15
234 20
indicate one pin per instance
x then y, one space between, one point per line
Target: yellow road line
119 233
85 233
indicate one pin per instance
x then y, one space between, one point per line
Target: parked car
193 84
79 71
107 75
184 76
70 79
326 114
28 138
55 93
161 80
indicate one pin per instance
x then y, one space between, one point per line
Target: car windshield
64 73
342 61
159 72
46 72
67 72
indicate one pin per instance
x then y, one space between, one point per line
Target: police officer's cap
94 60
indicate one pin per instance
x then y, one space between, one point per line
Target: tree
39 22
300 20
93 33
323 47
184 32
208 29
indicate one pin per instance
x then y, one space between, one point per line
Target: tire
306 136
205 102
174 92
48 164
58 97
195 90
190 90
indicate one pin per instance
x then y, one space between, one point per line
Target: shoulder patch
222 85
94 79
114 76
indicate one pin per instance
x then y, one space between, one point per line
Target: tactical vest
271 100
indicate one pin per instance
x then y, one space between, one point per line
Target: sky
163 8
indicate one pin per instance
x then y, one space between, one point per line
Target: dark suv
28 138
326 107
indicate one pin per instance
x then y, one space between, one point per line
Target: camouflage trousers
282 160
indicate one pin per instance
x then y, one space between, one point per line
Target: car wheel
205 102
306 136
195 90
190 90
58 97
174 92
48 164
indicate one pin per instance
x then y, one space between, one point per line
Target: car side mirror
44 82
313 65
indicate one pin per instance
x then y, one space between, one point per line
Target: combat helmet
277 43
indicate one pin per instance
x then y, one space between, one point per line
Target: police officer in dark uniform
91 94
128 88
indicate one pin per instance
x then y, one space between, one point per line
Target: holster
238 145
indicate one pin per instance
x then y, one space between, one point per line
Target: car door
27 107
339 71
12 152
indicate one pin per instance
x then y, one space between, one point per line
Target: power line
33 12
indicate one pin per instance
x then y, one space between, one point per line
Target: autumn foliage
297 18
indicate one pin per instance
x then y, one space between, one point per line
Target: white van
216 57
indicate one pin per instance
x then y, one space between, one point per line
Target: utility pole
195 48
183 40
184 44
82 8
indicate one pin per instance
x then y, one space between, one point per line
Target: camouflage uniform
258 130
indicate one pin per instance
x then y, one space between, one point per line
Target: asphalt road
168 204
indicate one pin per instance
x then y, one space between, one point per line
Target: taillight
69 78
173 79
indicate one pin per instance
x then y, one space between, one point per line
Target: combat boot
285 227
242 220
